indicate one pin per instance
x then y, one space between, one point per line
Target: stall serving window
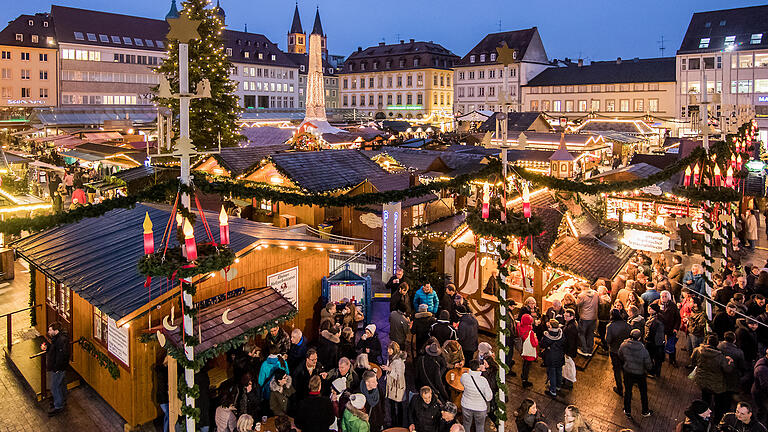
100 332
651 213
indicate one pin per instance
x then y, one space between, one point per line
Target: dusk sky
593 29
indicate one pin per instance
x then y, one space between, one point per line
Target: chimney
618 60
581 62
359 49
412 41
402 41
382 43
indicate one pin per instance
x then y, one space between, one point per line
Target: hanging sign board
646 240
390 239
286 283
117 341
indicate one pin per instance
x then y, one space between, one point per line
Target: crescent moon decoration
168 326
225 319
160 338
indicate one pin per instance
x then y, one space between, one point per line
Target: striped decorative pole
722 219
708 225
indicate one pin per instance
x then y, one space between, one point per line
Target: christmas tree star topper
183 28
506 54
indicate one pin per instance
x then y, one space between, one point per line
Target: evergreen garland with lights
214 119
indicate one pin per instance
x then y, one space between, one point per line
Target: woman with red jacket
528 336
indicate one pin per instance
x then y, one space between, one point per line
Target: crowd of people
350 380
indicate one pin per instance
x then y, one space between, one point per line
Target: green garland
32 296
516 225
104 360
210 259
706 193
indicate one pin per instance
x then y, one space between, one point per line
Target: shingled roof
587 258
516 121
326 170
89 27
254 44
545 207
41 26
608 72
238 160
517 40
375 58
741 23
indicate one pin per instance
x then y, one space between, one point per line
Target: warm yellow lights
28 207
189 232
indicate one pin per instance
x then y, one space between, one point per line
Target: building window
344 83
35 39
493 56
709 62
653 86
389 99
569 106
596 88
624 105
582 106
416 62
419 99
370 100
704 43
399 99
653 105
557 106
43 57
610 105
743 86
730 41
694 64
409 99
26 92
25 75
362 83
409 81
19 37
638 105
534 105
481 91
472 58
389 82
43 75
491 91
595 105
756 38
402 63
5 73
471 75
25 56
461 76
344 100
100 321
354 100
399 81
370 82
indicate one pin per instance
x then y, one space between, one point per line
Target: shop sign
25 102
762 98
390 239
286 283
645 240
652 190
488 246
117 341
405 107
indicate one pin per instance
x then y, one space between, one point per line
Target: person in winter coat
225 418
315 412
399 327
553 354
654 338
347 347
401 301
696 325
277 340
344 370
442 330
747 339
587 303
328 316
615 335
725 321
750 229
298 349
354 418
711 367
530 342
396 281
603 313
675 276
670 316
741 420
447 417
636 363
424 411
467 332
426 295
395 383
328 347
269 368
555 312
759 388
527 415
281 391
422 324
447 302
374 403
571 337
453 354
248 397
430 370
304 372
370 344
729 349
697 418
57 356
474 400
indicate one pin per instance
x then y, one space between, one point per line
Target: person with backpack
530 342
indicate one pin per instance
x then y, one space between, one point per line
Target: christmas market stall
85 275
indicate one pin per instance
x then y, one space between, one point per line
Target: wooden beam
174 404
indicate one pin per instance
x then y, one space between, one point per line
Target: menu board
117 341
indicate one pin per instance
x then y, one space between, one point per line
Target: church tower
297 40
317 29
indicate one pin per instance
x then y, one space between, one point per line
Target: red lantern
729 177
223 227
189 241
696 173
687 178
717 175
149 238
526 201
486 200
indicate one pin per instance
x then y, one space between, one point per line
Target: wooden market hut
85 275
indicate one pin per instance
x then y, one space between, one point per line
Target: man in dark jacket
616 333
747 339
670 316
430 370
399 327
760 388
724 321
277 341
654 338
711 368
424 411
697 418
466 334
442 330
741 420
315 412
370 344
571 337
57 357
298 349
400 300
552 345
304 372
636 363
447 302
395 281
422 324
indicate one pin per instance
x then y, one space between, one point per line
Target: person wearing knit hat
339 385
370 344
354 418
357 400
697 417
484 349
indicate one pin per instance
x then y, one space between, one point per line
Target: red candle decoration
223 227
687 178
729 177
526 201
733 160
189 241
149 238
717 175
738 162
696 174
486 200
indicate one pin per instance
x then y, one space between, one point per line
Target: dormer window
273 57
229 52
31 23
493 56
756 38
416 62
704 43
722 23
375 65
79 36
730 41
246 54
389 64
482 57
472 58
45 23
19 37
362 66
402 62
302 68
707 24
261 56
35 39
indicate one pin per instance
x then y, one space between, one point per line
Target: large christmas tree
211 119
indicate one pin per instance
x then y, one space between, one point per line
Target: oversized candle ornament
179 220
189 241
738 162
729 177
526 201
717 175
223 227
149 238
687 178
486 200
733 160
696 173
